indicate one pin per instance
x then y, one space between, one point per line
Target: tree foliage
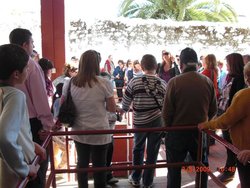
179 10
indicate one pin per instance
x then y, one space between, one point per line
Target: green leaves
179 10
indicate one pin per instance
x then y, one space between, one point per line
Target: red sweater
213 77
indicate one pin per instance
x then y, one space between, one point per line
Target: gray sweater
16 146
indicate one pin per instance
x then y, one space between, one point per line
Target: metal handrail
128 166
36 160
222 141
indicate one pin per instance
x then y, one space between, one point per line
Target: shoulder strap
68 91
69 85
157 102
1 100
145 81
176 69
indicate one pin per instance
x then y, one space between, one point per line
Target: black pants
109 158
98 156
231 157
40 181
244 174
178 144
119 86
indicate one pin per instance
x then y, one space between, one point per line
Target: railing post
67 151
52 166
199 159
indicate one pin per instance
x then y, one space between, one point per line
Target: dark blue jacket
121 73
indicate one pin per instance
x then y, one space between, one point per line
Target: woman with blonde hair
211 70
94 97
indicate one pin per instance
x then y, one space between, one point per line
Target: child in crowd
145 93
17 150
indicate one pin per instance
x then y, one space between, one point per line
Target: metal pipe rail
36 160
222 141
128 166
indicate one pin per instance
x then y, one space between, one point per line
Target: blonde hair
88 69
210 61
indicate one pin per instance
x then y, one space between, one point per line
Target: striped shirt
140 93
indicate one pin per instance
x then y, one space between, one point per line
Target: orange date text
196 169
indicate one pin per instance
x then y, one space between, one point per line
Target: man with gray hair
190 99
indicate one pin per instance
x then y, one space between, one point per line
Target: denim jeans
178 144
153 144
98 154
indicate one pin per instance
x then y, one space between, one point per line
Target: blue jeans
98 155
153 145
178 144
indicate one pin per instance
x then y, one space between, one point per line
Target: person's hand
118 108
244 156
57 126
40 151
120 111
33 171
43 134
201 126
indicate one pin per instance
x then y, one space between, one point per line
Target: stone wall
134 37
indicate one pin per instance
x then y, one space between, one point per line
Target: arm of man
10 149
38 96
128 97
244 156
168 106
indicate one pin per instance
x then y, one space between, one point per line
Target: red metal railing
127 165
36 160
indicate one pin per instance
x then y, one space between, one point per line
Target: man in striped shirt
146 94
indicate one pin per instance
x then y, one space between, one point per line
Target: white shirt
91 110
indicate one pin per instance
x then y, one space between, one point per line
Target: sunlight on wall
24 14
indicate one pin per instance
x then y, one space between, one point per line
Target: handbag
67 111
1 100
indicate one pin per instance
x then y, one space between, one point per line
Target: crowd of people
175 92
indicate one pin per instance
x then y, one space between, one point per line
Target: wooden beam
53 33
